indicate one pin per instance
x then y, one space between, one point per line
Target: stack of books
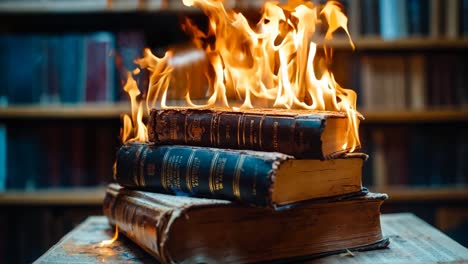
223 186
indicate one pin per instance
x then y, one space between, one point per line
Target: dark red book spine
299 135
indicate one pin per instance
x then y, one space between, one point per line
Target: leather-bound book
266 179
300 133
197 230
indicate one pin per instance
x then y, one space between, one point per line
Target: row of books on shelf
415 81
407 18
55 156
76 68
416 156
66 68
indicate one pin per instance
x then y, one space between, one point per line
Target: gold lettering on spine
212 131
195 172
236 179
275 135
219 174
136 169
164 169
142 182
217 129
212 170
188 170
173 128
173 172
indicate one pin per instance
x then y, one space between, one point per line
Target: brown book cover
300 133
267 179
197 230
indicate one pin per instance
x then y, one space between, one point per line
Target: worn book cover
266 179
196 230
300 133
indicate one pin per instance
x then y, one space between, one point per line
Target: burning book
276 131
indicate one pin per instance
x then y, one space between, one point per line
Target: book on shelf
99 67
51 148
72 68
408 18
393 19
452 15
50 86
23 166
418 15
370 22
303 134
186 229
3 157
417 81
62 68
267 179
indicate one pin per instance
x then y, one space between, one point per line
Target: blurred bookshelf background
61 99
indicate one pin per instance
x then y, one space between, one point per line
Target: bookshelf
412 43
90 196
93 196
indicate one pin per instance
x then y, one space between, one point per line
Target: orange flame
109 242
134 125
270 65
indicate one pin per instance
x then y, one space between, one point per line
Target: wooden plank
418 43
415 116
65 111
65 196
423 194
95 195
116 110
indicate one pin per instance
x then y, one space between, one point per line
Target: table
411 241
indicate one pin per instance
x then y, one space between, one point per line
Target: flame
273 64
109 242
133 125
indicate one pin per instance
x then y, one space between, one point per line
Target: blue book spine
13 162
370 21
393 22
418 156
19 70
3 157
52 71
72 65
40 64
4 59
414 17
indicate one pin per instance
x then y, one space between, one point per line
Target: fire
109 242
272 64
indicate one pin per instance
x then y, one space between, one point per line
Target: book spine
198 172
142 224
296 136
